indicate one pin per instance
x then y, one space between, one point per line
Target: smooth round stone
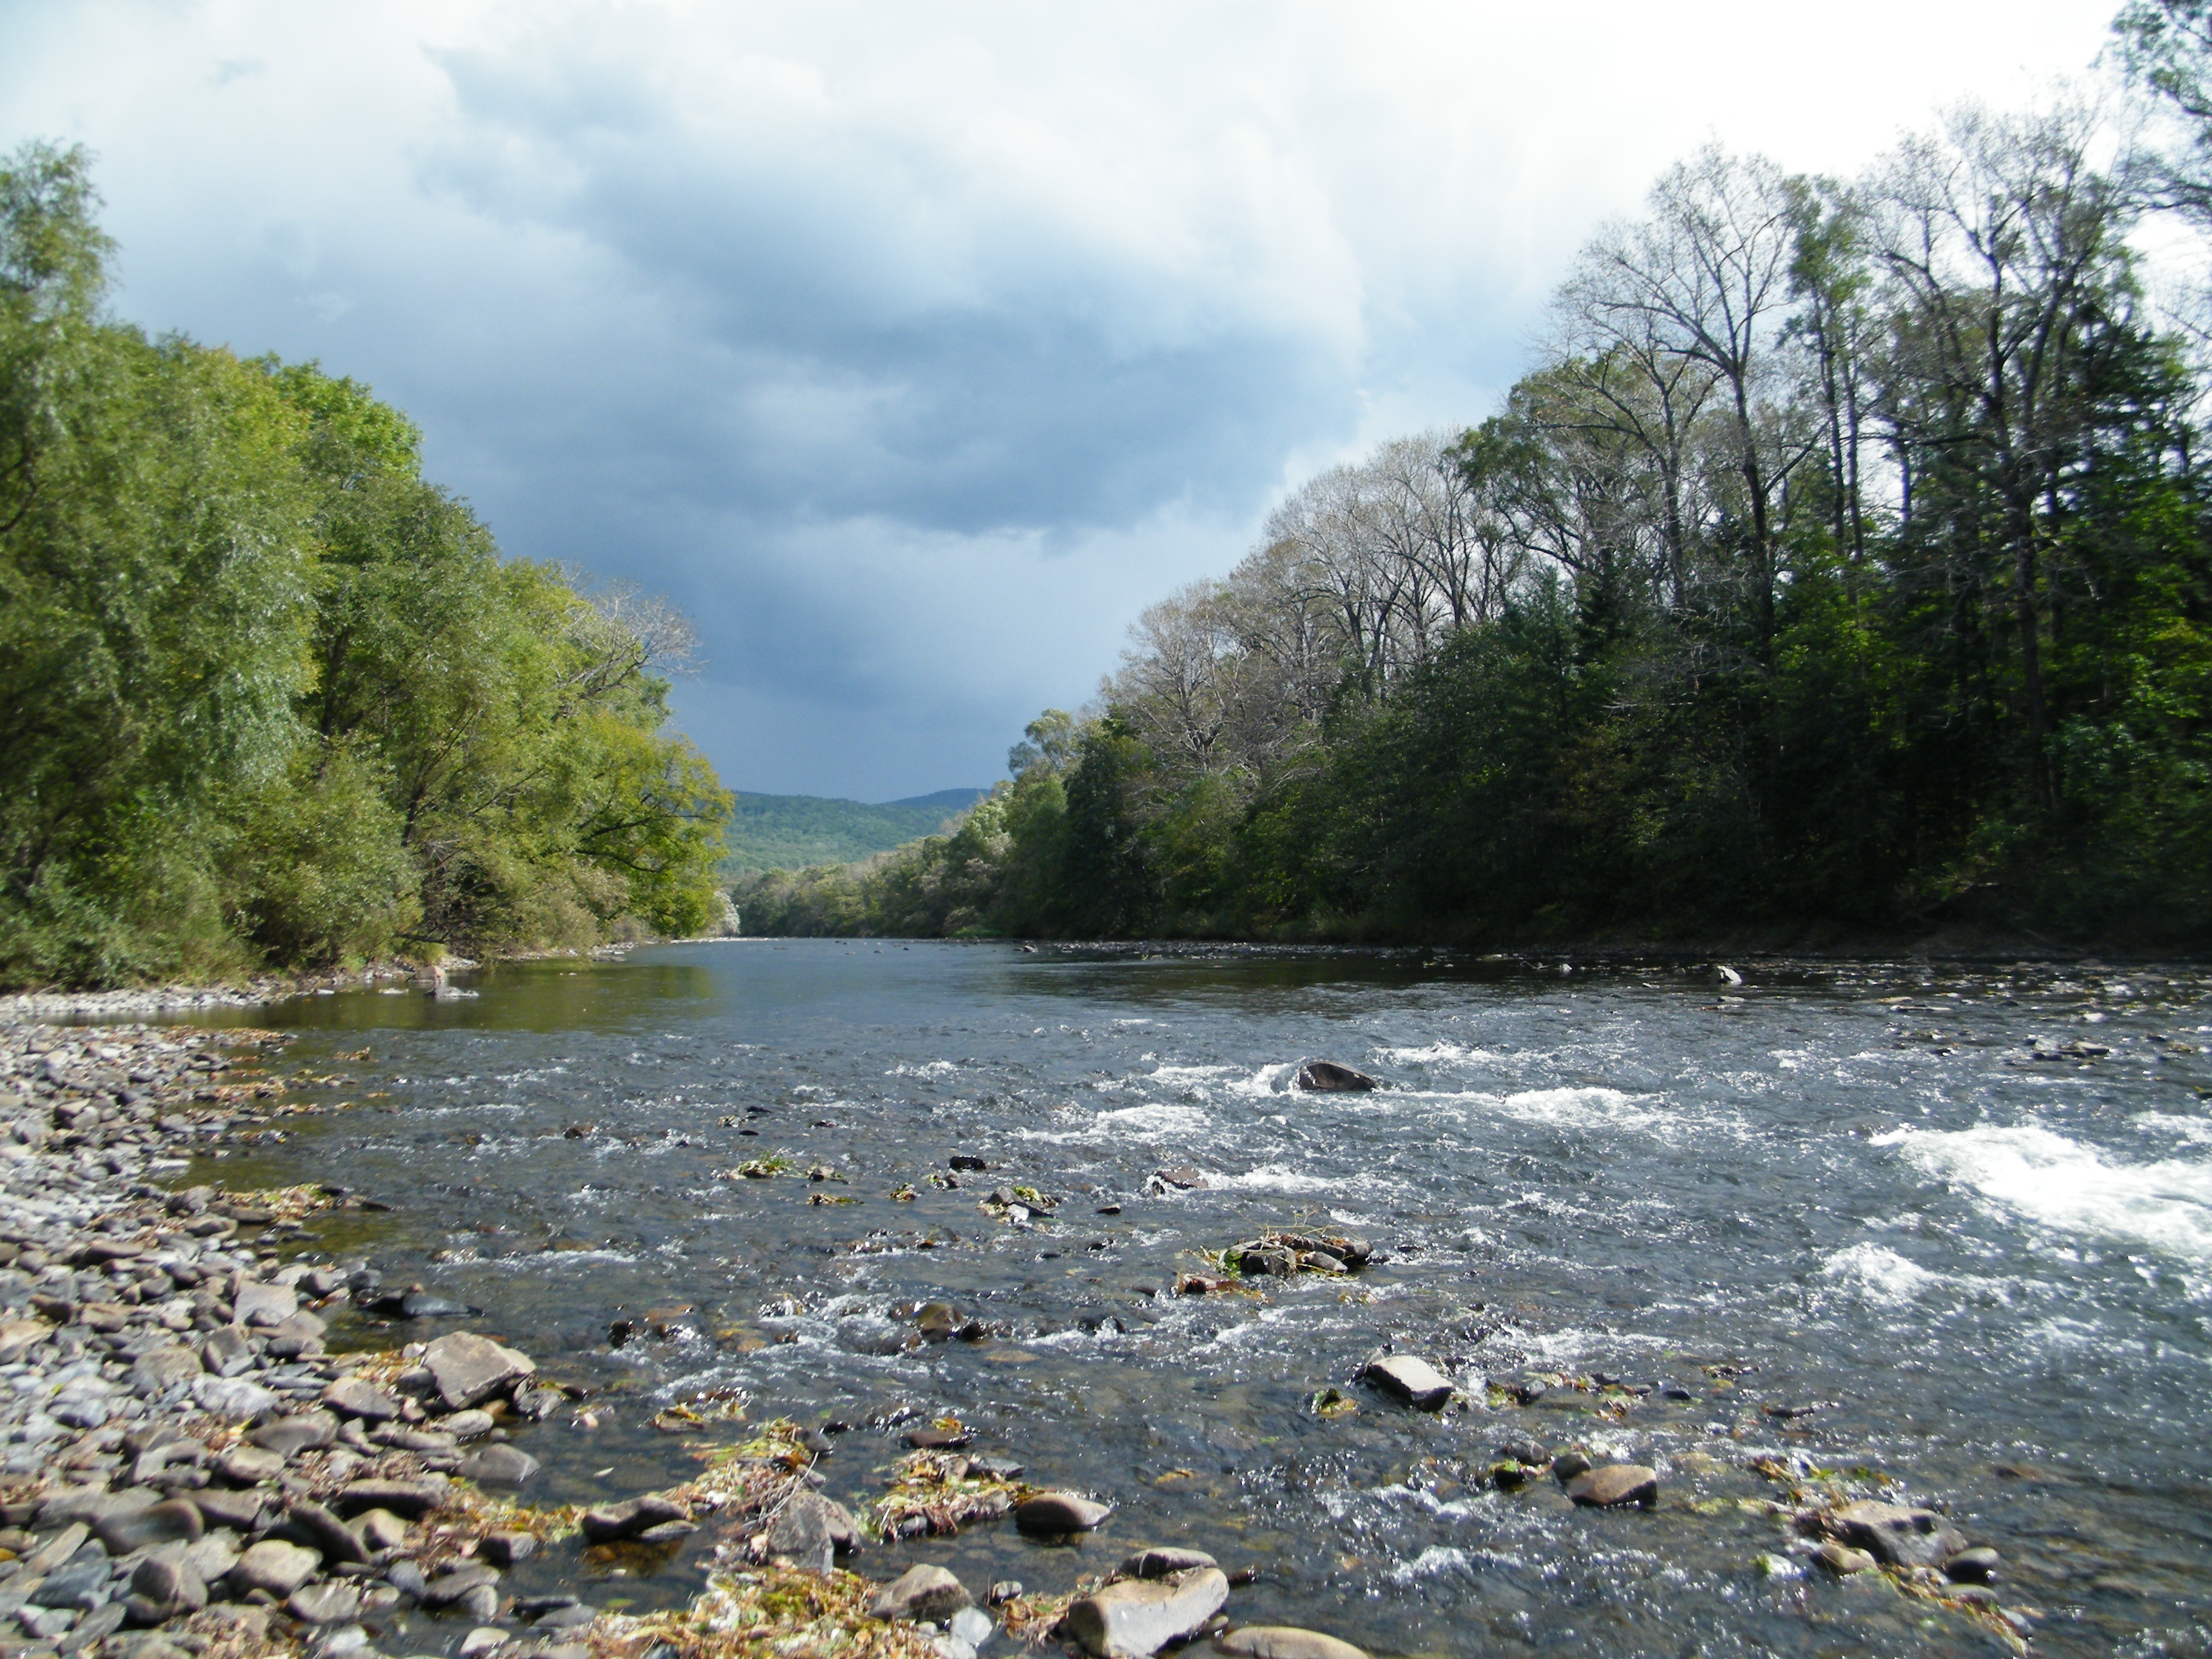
1053 1513
173 1522
275 1566
1974 1566
1842 1560
335 1603
1283 1641
1615 1484
1161 1561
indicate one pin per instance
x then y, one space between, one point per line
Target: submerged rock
471 1369
1327 1077
1161 1561
1897 1535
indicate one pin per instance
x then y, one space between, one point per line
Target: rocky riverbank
187 1469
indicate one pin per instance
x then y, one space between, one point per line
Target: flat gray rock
469 1369
264 1305
1283 1641
498 1465
1416 1381
1138 1617
921 1591
275 1566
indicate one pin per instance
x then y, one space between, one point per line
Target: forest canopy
267 696
1843 561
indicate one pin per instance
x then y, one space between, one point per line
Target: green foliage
1871 589
268 697
792 832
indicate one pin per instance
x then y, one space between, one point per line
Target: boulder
380 1530
1161 1561
410 1498
357 1396
165 1589
1974 1566
265 1304
334 1603
627 1520
124 1530
1327 1077
1416 1381
275 1566
1138 1617
922 1592
287 1437
239 1510
810 1530
469 1369
1897 1535
1283 1641
159 1368
1614 1484
249 1466
1055 1513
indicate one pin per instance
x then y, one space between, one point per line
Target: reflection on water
1845 1213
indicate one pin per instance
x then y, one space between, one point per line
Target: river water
1853 1188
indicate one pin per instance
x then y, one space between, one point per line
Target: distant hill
790 832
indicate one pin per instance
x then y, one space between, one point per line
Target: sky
914 349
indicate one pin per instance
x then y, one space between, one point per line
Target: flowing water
1854 1187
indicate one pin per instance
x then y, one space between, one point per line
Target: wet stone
498 1465
1972 1566
628 1519
450 1587
1138 1617
1842 1560
1283 1641
1161 1561
505 1548
1414 1381
471 1369
1055 1513
1897 1535
1614 1485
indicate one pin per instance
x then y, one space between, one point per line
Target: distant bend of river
1859 1188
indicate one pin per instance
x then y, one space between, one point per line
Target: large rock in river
1283 1641
1414 1381
1901 1536
469 1368
1138 1617
1615 1484
1327 1077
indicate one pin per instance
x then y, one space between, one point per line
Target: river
1846 1216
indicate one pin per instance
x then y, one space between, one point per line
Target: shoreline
187 1472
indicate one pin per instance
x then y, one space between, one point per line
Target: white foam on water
1261 1082
1434 1053
1168 1076
2195 1130
1590 1107
2069 1186
1153 1120
1879 1274
1279 1178
932 1068
1434 1561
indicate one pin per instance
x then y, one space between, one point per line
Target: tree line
270 698
1843 562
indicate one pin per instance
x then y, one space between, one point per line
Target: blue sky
914 349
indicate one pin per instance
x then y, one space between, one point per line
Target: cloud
914 349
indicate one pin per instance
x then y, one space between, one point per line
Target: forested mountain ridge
793 832
268 697
1846 560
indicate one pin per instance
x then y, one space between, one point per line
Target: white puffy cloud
914 349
